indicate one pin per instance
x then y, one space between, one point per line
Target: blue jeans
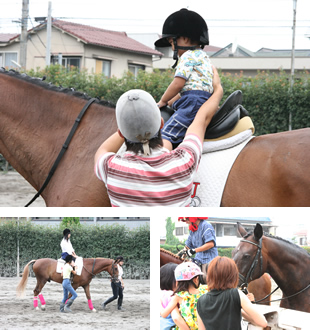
67 287
186 109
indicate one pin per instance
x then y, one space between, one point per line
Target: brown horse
287 263
260 287
45 270
36 118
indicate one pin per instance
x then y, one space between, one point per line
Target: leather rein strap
63 150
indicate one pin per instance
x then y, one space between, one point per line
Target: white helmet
138 117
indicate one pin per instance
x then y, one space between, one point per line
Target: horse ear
241 230
258 232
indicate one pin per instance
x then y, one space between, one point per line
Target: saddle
225 119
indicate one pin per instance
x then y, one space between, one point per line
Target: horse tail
20 290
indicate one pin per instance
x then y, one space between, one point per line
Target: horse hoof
94 310
37 308
43 307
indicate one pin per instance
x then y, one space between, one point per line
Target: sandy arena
20 313
15 191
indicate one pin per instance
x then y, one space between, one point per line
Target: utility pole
23 35
292 61
49 34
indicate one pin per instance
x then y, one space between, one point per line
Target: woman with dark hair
224 305
117 285
66 246
167 285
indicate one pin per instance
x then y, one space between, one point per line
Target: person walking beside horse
117 285
67 287
201 241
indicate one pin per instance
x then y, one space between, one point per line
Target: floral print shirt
195 67
188 307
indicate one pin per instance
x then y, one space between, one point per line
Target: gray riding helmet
138 117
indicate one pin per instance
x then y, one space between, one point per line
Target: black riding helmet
184 23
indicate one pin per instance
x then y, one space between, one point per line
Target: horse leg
87 293
36 293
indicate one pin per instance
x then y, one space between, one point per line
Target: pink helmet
186 271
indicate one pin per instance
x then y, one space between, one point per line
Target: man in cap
148 174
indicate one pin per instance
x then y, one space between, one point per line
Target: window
230 230
106 68
134 68
179 231
67 61
6 60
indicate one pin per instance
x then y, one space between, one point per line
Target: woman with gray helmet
187 33
148 174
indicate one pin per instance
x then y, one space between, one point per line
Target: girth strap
63 150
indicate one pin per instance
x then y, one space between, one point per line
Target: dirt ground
15 191
19 313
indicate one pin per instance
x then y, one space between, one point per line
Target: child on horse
67 287
187 293
66 246
148 174
201 241
187 33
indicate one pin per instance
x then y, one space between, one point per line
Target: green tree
170 238
70 221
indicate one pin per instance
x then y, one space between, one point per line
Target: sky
287 220
251 24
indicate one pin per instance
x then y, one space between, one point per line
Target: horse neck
287 265
102 264
32 126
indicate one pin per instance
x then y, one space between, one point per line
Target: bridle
258 256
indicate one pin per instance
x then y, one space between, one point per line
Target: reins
92 271
63 150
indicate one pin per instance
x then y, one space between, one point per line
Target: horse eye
246 256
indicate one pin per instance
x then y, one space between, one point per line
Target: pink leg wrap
42 299
90 304
35 302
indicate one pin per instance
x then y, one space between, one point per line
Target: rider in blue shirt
201 241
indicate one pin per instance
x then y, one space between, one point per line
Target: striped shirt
204 234
162 179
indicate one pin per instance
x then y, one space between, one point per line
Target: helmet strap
176 48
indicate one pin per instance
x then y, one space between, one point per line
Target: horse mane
172 254
49 86
294 246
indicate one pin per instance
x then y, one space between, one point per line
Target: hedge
107 241
267 96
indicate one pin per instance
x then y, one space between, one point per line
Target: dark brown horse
287 263
45 270
260 287
36 118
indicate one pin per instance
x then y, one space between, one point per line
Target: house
225 229
234 58
98 50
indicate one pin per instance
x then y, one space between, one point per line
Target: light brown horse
260 287
45 270
36 118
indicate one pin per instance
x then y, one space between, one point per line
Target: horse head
248 255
